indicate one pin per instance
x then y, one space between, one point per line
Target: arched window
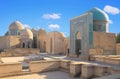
78 35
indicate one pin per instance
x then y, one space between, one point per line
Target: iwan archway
81 34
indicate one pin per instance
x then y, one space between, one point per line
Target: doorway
78 47
50 45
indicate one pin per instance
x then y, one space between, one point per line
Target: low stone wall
75 69
8 69
92 70
65 65
42 66
112 59
19 52
102 70
87 71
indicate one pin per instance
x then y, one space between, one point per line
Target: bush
118 38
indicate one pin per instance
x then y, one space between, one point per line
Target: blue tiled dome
99 14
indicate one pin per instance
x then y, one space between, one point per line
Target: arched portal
78 43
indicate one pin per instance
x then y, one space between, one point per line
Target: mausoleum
89 33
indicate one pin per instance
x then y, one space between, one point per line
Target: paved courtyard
46 75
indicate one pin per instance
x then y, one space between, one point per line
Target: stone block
75 69
102 70
87 71
65 65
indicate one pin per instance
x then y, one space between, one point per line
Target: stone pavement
46 75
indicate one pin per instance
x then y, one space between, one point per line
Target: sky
54 14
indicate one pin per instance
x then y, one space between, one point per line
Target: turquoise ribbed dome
98 14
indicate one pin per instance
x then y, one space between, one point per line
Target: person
78 52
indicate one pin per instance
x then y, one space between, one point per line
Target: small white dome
27 33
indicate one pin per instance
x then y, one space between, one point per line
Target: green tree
118 38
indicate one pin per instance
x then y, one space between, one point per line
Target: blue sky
54 14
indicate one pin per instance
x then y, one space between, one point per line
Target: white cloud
112 10
37 27
52 16
110 22
53 26
26 26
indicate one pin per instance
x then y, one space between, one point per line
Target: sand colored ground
46 75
